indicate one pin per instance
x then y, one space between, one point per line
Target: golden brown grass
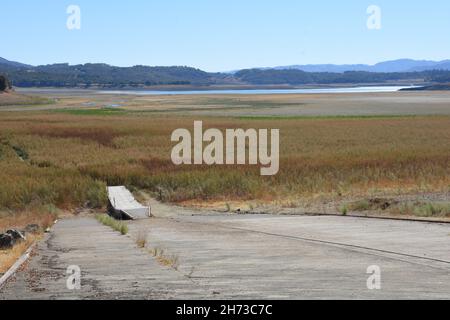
44 217
72 157
14 99
164 259
19 220
141 239
77 156
9 257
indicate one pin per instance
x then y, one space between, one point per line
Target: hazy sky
220 35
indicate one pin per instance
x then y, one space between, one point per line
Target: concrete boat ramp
123 205
228 256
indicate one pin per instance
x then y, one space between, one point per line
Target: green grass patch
93 112
113 223
34 101
236 102
371 204
421 209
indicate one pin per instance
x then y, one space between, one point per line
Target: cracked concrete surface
224 256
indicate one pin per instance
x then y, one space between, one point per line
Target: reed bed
71 158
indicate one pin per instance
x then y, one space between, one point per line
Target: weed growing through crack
141 239
171 261
113 223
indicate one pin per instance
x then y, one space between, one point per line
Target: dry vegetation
114 224
164 259
416 208
59 160
63 156
14 99
422 209
9 257
66 159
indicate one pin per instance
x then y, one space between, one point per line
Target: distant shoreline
435 87
177 88
220 90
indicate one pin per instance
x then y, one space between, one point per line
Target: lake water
259 91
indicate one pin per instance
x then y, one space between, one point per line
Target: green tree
4 83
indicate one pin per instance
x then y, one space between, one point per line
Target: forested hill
106 76
65 75
298 77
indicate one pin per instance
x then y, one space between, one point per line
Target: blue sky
221 35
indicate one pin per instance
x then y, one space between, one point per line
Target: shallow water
258 91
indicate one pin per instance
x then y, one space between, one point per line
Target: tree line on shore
106 76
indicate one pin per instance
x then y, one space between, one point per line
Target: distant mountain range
106 76
401 65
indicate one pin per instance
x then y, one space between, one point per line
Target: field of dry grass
13 98
66 160
62 158
280 105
